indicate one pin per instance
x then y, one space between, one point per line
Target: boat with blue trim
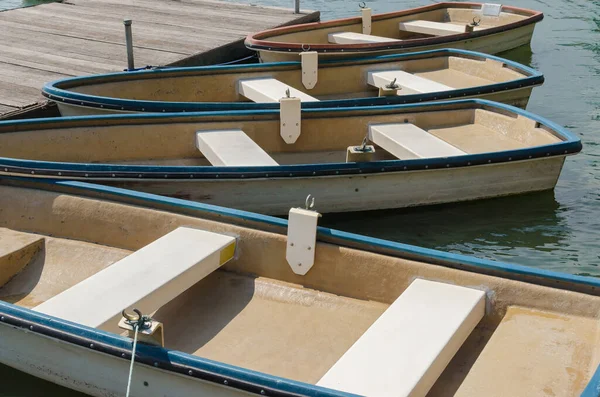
265 160
487 27
426 76
225 311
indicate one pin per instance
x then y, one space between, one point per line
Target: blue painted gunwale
217 372
570 144
59 90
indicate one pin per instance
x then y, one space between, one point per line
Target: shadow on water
19 384
522 55
480 227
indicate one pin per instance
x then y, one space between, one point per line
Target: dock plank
25 36
79 37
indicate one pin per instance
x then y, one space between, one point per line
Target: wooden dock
78 37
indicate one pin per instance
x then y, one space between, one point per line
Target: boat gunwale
569 144
256 41
59 90
225 374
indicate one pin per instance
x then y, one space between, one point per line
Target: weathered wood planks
78 37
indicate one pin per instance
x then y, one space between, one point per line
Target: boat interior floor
469 138
454 78
299 333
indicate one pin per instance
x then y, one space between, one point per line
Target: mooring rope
135 329
137 321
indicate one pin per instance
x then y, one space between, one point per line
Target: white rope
135 328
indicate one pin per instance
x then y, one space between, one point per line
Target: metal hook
392 84
307 47
312 203
287 93
476 23
362 4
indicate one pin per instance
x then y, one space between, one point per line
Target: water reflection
505 224
521 54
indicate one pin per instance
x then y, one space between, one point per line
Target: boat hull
360 192
532 315
490 44
516 97
92 372
341 83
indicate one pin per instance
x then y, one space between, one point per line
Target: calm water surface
557 230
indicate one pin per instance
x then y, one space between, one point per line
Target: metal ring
308 203
476 23
362 4
131 317
307 48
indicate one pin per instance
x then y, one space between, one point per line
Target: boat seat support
290 114
366 14
310 68
231 148
408 347
302 237
407 141
146 280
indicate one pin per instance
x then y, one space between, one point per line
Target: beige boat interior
254 312
388 26
324 137
341 80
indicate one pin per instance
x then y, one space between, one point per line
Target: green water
557 230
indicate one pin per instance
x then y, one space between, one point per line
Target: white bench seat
270 90
410 344
434 28
356 38
231 148
407 141
410 83
146 280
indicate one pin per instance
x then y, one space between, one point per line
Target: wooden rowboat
420 154
427 76
231 317
489 28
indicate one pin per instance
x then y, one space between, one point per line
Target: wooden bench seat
410 83
269 90
356 38
407 141
17 250
410 344
231 148
146 280
434 28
